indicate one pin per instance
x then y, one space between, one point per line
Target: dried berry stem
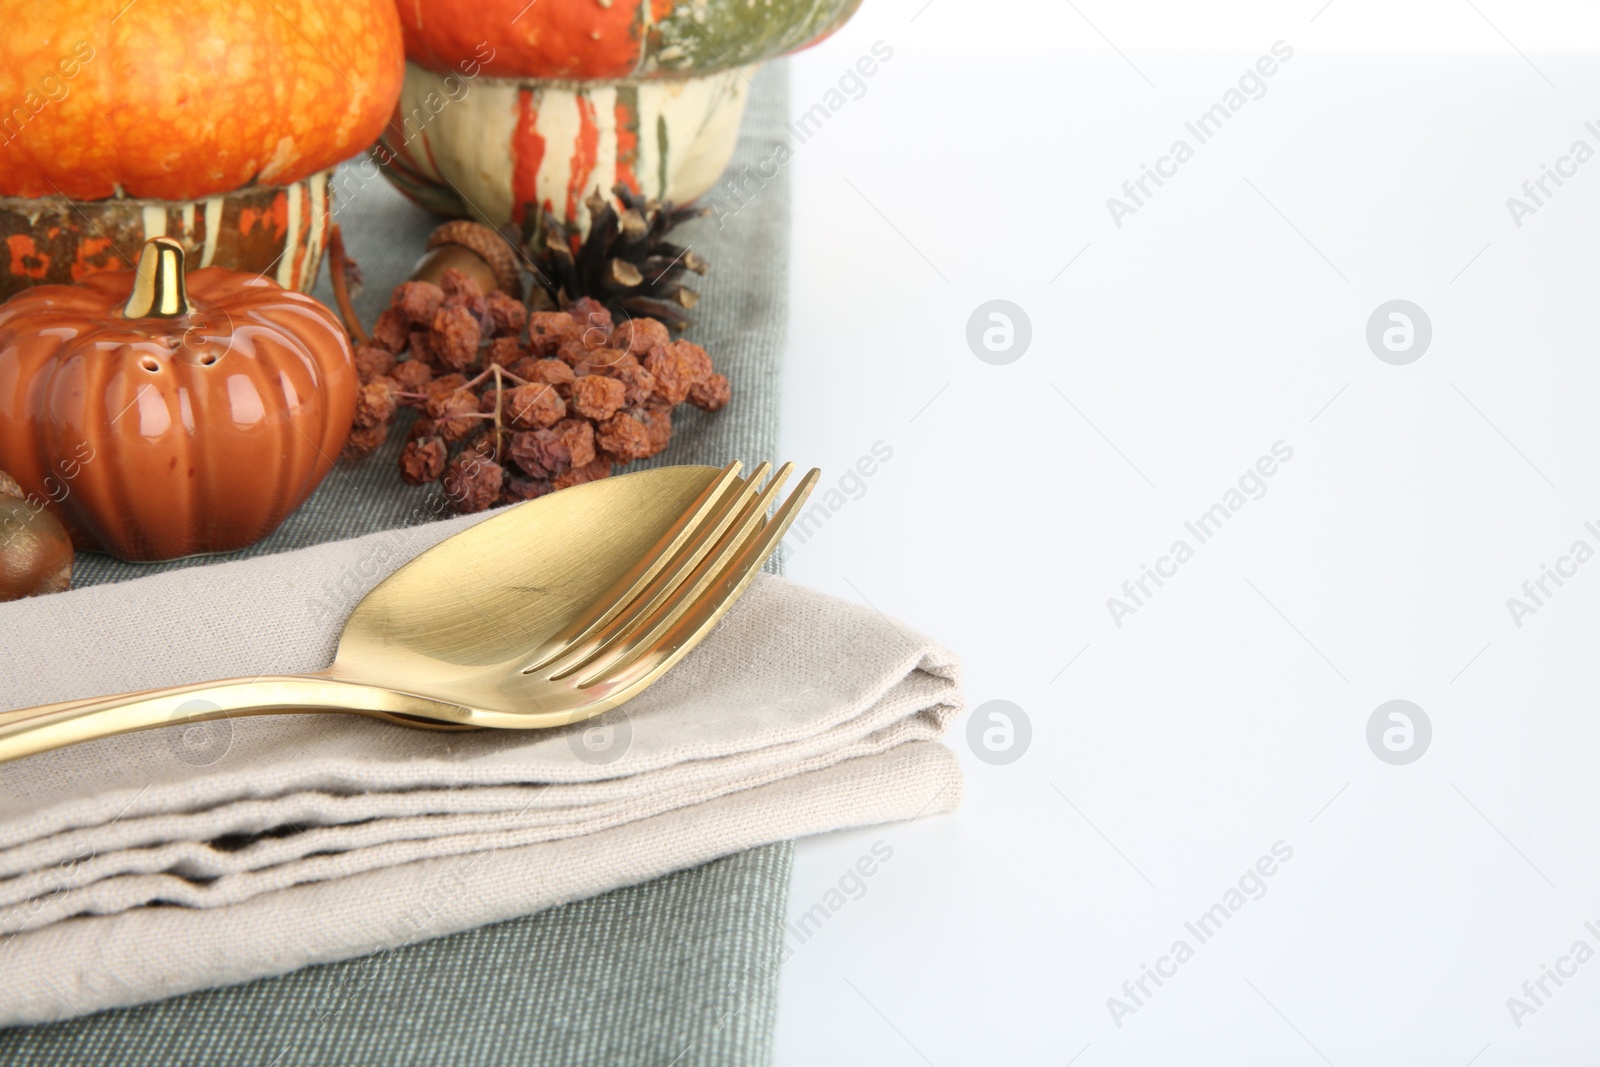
337 261
499 402
496 370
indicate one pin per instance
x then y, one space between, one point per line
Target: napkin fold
144 866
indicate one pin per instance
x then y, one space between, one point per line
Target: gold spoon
554 611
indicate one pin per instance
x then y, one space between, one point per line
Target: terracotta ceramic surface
159 437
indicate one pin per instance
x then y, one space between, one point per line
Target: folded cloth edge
93 963
130 800
151 877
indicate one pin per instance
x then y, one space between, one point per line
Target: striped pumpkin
279 231
508 104
510 143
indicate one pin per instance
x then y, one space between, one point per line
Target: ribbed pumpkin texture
154 438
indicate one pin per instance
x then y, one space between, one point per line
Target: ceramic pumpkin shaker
161 414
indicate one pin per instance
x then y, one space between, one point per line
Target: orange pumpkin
163 416
182 99
585 40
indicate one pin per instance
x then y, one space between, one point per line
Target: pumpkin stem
158 288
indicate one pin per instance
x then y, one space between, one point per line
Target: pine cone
625 262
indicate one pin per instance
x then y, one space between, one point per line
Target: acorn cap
488 245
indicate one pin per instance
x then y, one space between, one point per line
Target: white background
1230 712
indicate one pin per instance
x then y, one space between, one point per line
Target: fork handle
29 731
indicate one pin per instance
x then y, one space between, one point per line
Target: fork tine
705 509
678 626
666 590
645 594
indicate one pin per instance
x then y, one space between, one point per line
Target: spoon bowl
553 611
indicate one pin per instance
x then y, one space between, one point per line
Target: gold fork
554 611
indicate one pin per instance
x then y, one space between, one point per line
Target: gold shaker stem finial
158 289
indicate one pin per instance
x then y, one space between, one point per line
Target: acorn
475 250
35 549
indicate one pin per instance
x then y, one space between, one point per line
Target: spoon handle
29 731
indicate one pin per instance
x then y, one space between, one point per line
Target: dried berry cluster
514 405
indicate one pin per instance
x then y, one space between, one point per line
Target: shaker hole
149 363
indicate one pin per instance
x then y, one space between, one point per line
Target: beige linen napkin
153 864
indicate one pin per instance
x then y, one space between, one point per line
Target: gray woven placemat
669 972
676 971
